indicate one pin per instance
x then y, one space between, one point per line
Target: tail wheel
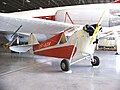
96 61
65 66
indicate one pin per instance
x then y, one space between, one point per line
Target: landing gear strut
65 64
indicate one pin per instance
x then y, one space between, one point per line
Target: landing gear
96 61
116 53
65 66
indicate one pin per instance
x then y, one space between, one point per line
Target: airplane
112 32
79 46
58 14
21 26
80 14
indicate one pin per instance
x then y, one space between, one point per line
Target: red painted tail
117 1
49 42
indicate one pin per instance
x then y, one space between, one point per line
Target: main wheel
65 66
96 61
116 53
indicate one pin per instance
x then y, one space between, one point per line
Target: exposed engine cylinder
90 29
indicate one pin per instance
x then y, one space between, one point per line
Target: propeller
14 37
97 28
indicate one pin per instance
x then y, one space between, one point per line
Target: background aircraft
21 26
114 34
79 14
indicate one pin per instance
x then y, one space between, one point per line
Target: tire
96 61
65 66
116 53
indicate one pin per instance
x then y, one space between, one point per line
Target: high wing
10 23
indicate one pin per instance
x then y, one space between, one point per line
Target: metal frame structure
7 6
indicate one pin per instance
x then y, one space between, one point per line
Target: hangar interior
25 71
7 6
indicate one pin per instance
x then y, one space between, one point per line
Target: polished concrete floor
29 72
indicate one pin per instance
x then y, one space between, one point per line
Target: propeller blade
101 18
95 33
97 28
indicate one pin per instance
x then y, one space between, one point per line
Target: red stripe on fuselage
49 42
52 17
60 52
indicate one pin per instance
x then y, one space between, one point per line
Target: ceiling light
19 9
40 8
2 10
4 3
28 1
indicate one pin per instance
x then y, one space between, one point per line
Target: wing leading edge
31 25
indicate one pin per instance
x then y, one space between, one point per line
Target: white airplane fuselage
80 14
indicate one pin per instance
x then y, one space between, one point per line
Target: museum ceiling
7 6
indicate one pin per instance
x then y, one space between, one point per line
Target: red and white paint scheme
80 45
117 1
52 48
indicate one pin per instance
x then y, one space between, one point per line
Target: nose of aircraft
89 29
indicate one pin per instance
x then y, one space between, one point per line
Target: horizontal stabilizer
21 48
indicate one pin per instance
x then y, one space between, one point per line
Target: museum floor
29 72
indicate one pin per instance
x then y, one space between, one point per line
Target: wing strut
68 17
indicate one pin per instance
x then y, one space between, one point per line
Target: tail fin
32 40
49 42
117 1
